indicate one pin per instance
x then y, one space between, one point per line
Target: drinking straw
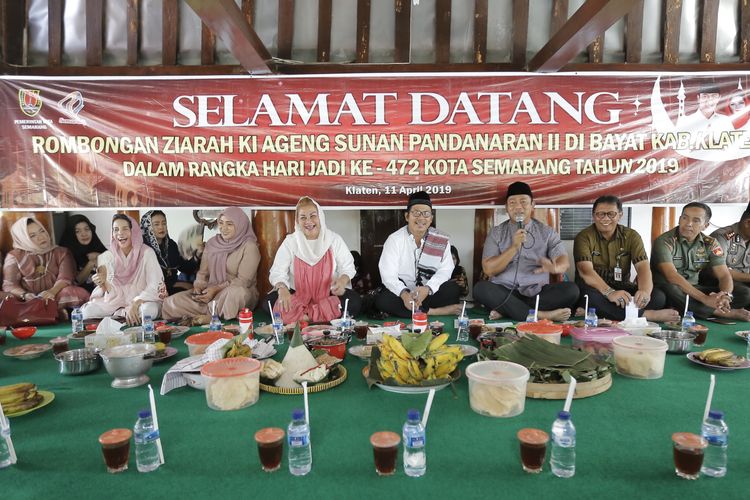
412 307
687 300
346 307
536 309
213 308
307 408
463 310
569 398
5 426
586 309
152 401
273 321
427 406
710 396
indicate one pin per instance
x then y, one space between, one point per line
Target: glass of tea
116 449
360 329
270 442
165 334
59 345
475 330
533 449
688 451
385 449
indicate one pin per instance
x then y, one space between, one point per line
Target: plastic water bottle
591 320
747 356
531 317
563 458
415 457
688 321
298 438
278 328
146 451
149 336
716 432
5 459
463 329
76 320
215 324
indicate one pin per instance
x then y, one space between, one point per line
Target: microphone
519 220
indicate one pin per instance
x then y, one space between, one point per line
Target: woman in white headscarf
312 270
36 268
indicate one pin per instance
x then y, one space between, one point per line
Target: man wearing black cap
735 242
519 255
705 119
416 265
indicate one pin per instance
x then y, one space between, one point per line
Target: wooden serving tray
560 391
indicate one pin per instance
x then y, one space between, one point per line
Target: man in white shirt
705 120
416 266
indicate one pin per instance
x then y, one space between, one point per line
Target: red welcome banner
369 140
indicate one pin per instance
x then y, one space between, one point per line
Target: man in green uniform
735 242
603 253
678 257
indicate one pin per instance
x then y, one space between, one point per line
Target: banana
386 368
397 347
444 370
16 393
429 368
402 370
437 342
414 370
23 405
11 389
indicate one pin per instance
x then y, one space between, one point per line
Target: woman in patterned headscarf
155 235
227 273
128 280
38 269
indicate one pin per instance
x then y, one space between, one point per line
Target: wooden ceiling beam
325 18
229 23
708 30
248 10
285 30
672 16
520 32
559 16
443 31
55 32
403 30
134 25
94 32
589 21
363 31
170 22
634 33
480 31
13 28
744 34
208 45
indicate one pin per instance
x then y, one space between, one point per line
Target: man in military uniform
680 254
735 242
603 253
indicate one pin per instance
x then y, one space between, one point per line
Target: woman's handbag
37 312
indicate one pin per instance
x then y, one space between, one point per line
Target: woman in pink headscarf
227 274
128 280
38 269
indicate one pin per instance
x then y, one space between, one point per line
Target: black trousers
516 307
676 298
609 310
391 304
355 302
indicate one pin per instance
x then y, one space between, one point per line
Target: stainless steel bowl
79 361
677 342
128 364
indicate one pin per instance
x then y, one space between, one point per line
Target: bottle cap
144 414
298 414
563 415
592 310
412 414
718 415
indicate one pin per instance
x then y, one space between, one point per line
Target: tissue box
103 341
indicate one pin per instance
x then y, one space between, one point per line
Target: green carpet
623 446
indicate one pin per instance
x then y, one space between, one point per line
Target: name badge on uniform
618 273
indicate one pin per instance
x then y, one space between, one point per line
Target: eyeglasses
601 215
421 213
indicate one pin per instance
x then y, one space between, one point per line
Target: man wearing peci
679 256
603 253
519 255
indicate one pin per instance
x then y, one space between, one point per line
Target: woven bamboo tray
340 377
560 391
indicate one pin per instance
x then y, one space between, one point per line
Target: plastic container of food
198 343
232 383
639 357
497 388
544 329
641 328
597 340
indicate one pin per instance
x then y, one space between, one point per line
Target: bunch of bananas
437 362
720 357
19 397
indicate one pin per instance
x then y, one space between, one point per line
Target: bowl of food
198 343
497 388
544 329
677 342
23 332
336 347
128 364
78 361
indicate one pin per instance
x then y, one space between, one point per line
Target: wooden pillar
662 220
484 219
271 227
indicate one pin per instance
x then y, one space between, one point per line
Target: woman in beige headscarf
38 269
227 274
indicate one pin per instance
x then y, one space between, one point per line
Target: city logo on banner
29 101
71 105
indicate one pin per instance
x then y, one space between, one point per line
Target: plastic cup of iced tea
360 329
688 451
59 345
270 442
385 449
533 449
116 449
